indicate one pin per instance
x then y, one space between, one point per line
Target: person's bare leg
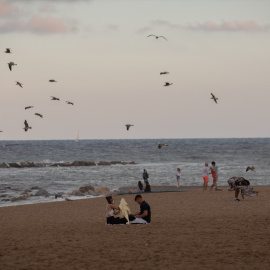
236 193
178 182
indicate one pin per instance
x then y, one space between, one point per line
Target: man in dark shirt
145 212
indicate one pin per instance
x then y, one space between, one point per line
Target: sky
99 54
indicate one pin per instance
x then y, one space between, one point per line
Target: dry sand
189 230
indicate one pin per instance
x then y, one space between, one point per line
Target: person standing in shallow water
178 176
145 176
206 171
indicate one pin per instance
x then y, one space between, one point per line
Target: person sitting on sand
111 211
240 183
145 209
139 187
147 187
178 176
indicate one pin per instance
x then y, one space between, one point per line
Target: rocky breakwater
77 163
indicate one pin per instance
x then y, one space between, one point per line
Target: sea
232 156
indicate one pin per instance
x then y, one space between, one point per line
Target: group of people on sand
210 170
146 187
142 217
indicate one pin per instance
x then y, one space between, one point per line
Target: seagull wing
212 95
164 38
151 35
26 124
9 65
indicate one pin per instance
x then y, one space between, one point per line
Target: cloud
47 8
145 30
40 25
7 10
246 26
112 27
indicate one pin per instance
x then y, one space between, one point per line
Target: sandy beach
189 230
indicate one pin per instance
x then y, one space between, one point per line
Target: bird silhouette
10 64
20 84
28 107
128 126
38 114
52 80
157 36
160 145
70 103
26 126
214 98
167 84
54 98
164 73
7 50
252 168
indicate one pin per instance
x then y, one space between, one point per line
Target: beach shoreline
189 230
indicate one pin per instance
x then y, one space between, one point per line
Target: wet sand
189 230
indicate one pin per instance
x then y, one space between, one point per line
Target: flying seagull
38 114
157 36
54 98
160 145
214 98
52 80
28 107
1 130
70 103
7 50
164 72
167 84
26 126
10 64
128 126
252 168
18 83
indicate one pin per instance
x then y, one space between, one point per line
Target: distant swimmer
54 98
7 50
70 103
26 126
20 84
28 107
52 80
157 36
252 168
167 84
10 64
128 126
214 98
164 73
38 114
160 145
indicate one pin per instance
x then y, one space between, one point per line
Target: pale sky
100 56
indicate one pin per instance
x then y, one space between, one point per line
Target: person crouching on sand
178 176
145 210
111 211
206 171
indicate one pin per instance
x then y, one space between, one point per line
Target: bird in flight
10 64
38 114
1 130
252 168
164 72
26 126
214 98
70 103
28 107
7 50
167 84
18 83
52 80
128 126
54 98
160 145
157 36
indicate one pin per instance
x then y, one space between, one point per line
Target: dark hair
109 198
137 197
140 185
213 162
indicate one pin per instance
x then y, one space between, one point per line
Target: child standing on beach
178 176
206 171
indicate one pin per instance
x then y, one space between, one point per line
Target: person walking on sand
214 172
145 176
178 176
206 171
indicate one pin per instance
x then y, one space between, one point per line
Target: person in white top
178 176
206 171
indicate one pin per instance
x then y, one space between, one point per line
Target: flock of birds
160 145
26 125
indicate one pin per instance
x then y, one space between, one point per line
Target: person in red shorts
206 171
